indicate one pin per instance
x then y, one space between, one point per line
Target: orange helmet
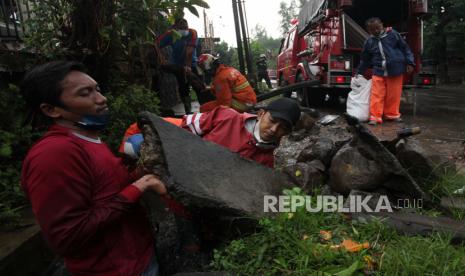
206 61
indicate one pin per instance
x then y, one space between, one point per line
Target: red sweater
82 198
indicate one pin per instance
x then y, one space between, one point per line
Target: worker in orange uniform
390 57
229 86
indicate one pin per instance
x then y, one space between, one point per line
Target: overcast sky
263 12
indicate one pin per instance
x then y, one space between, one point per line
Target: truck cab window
290 42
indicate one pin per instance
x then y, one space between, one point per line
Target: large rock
422 164
202 174
399 182
319 149
354 170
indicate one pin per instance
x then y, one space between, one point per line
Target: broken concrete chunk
288 151
399 181
423 165
320 149
351 170
453 202
202 174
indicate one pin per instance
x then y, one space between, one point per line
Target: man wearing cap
252 136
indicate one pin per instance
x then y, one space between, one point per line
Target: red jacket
223 126
84 203
226 127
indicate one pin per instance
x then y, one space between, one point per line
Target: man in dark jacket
262 70
390 57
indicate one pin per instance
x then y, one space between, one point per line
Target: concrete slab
23 251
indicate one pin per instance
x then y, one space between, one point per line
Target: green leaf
5 150
193 10
200 3
350 270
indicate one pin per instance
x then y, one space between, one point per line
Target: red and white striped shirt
226 127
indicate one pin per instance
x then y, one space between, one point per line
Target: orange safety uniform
385 98
231 89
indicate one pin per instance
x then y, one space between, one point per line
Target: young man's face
375 28
182 25
271 129
81 96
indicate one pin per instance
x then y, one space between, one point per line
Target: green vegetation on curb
450 182
298 244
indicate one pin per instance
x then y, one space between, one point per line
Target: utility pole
208 43
248 58
240 54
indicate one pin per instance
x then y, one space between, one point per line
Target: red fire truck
326 42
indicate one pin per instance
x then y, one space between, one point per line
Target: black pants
185 79
264 75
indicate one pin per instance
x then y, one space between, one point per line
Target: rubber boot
187 104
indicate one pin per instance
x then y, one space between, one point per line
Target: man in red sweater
85 200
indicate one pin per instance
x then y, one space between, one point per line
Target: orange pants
385 98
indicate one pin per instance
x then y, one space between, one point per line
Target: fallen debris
202 174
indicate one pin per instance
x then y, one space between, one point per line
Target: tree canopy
445 33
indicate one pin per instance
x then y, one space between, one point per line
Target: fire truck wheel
317 97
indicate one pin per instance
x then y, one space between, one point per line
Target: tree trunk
88 20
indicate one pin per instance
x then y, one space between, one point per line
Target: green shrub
15 141
125 102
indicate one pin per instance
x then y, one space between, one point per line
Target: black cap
285 109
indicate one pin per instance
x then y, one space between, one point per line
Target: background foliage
15 140
445 34
115 40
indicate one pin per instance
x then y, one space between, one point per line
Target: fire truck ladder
353 34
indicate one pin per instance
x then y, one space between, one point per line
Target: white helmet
205 62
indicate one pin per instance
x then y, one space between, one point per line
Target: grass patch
423 256
292 244
445 186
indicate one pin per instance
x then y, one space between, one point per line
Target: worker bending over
229 86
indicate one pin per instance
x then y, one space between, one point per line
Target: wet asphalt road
439 111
